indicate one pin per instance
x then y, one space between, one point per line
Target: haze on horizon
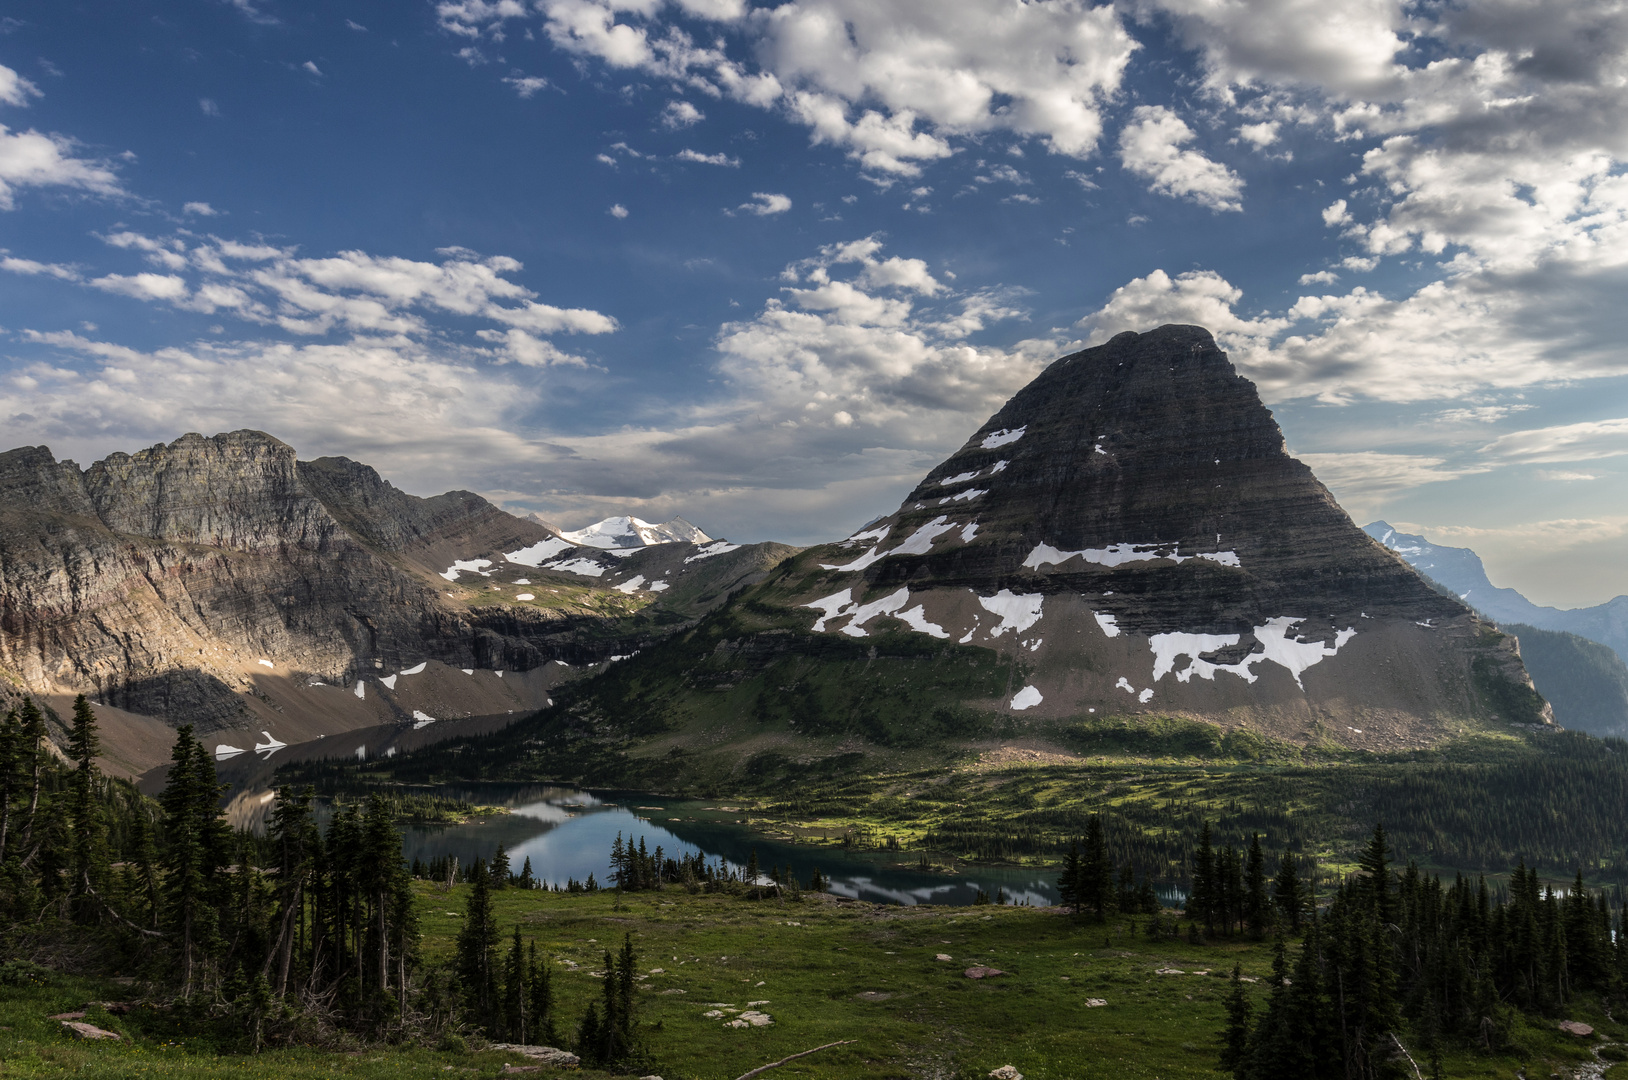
763 264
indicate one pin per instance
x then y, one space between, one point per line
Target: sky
763 264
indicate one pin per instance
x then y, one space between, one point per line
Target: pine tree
516 993
1287 892
1070 887
526 880
1201 899
541 981
89 832
1096 872
1235 1039
192 853
500 868
10 740
477 939
1257 909
31 760
1375 862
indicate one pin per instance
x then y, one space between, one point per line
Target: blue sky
762 264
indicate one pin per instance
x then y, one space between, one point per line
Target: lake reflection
567 833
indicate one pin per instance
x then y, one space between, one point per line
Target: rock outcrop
218 581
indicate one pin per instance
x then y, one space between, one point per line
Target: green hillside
1585 682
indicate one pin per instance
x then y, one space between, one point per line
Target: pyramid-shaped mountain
1126 538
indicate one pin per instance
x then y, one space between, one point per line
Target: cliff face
159 581
221 582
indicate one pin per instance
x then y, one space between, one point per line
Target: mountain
1460 570
1585 683
631 532
1126 537
224 583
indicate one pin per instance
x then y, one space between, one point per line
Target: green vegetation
1585 682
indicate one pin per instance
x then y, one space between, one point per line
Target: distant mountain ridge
1461 571
629 532
222 582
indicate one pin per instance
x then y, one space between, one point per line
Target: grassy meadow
824 969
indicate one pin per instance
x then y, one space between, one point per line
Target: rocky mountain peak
632 532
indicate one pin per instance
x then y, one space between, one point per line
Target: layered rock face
222 582
158 581
1130 527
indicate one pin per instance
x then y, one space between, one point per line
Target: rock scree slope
1126 537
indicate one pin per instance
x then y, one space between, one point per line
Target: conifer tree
477 939
10 738
31 759
89 864
1375 862
1257 909
192 853
1070 888
1096 872
1287 892
500 868
1235 1039
1201 898
516 995
541 983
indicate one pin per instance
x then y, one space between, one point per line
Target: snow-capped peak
627 532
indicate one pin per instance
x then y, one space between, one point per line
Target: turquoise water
567 833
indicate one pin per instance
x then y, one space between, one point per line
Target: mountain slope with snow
632 532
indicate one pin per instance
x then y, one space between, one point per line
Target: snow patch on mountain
472 565
1017 612
580 567
1109 624
716 548
1121 554
537 553
1027 698
1277 646
632 532
1003 437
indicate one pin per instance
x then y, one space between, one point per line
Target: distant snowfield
718 547
538 553
632 532
580 567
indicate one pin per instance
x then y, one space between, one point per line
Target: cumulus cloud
14 89
36 269
617 210
764 204
31 159
681 114
1151 147
893 84
200 209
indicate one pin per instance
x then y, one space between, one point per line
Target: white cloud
709 159
892 83
1150 146
35 269
526 85
30 159
764 204
1260 135
1321 277
200 209
1362 480
312 68
354 25
1586 441
14 89
617 210
208 106
144 286
681 114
